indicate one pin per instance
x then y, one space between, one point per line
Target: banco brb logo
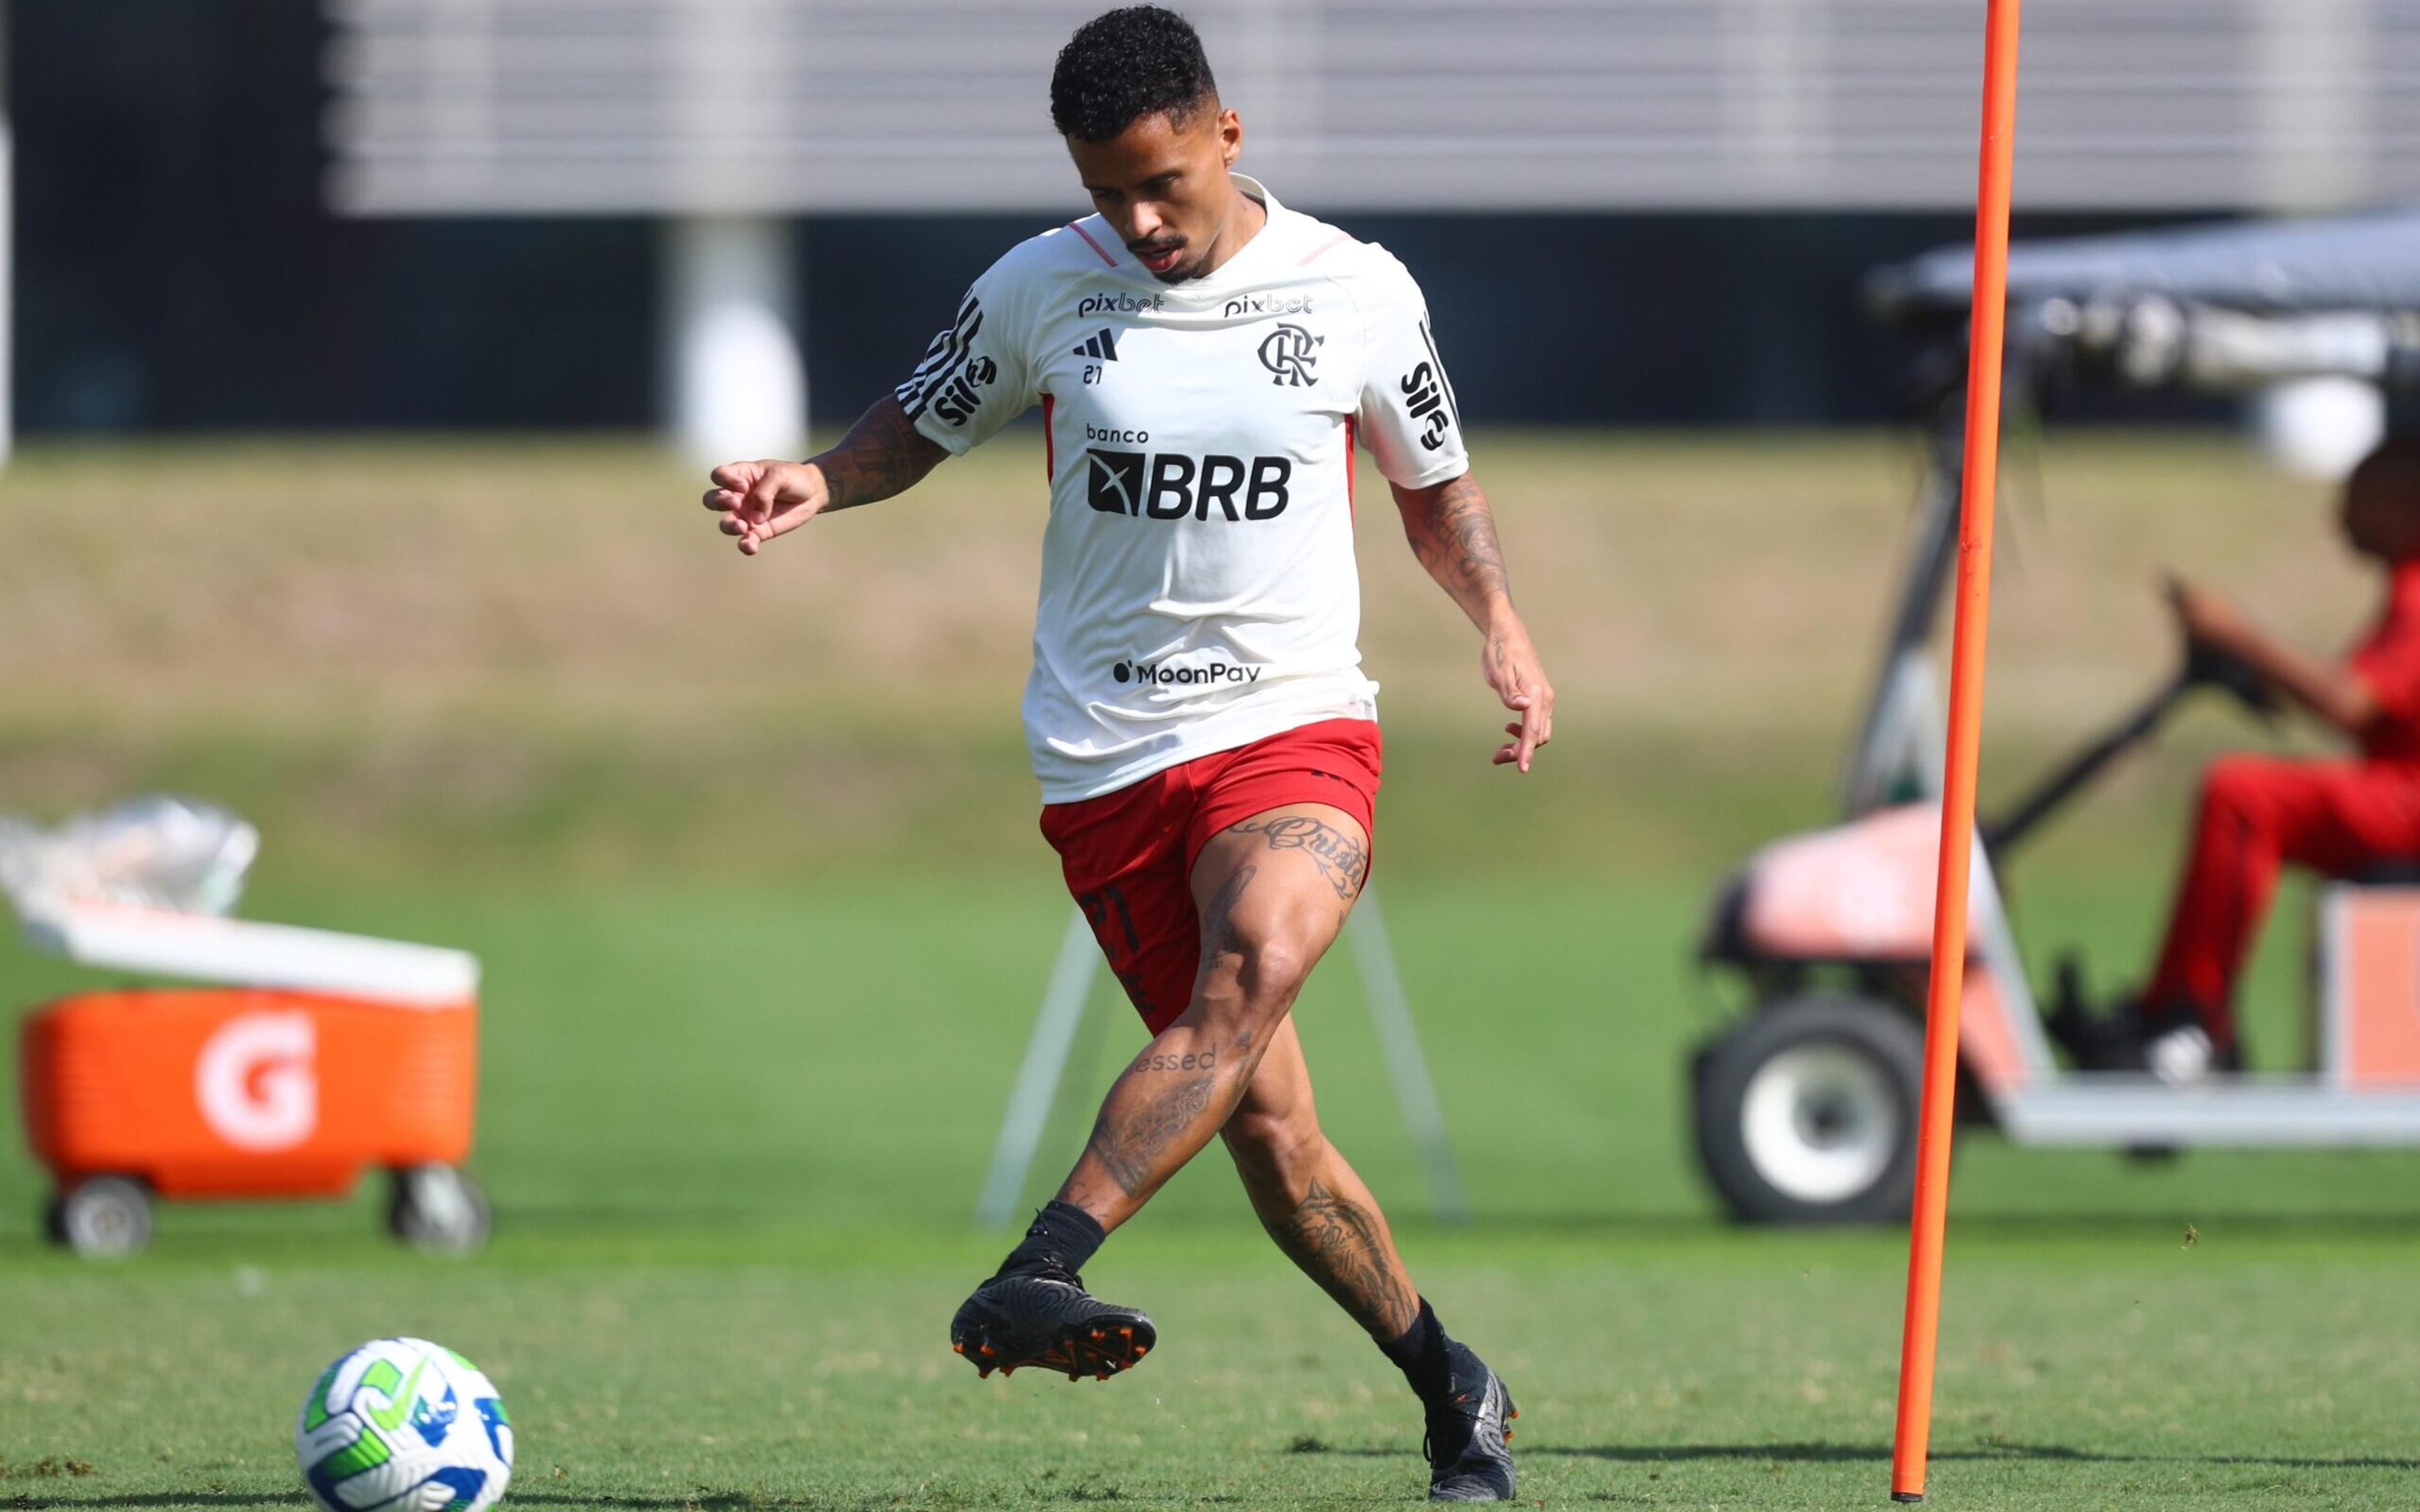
255 1082
1172 485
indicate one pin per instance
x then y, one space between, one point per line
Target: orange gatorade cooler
329 1053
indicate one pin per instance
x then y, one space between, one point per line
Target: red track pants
2337 817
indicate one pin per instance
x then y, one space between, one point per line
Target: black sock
1061 1235
1422 1355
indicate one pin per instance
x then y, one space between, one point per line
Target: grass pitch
747 855
733 1136
1657 1365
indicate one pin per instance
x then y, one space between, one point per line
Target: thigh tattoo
1342 859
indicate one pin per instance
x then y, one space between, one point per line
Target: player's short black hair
2393 467
1124 64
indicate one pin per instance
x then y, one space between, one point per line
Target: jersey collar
1253 252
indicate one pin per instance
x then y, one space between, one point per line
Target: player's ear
1231 136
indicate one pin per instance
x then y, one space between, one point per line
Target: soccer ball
404 1426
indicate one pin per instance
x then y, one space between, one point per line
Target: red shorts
1129 854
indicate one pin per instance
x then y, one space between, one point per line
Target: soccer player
2338 816
1206 359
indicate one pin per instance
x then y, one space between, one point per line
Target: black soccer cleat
1469 1432
1046 1317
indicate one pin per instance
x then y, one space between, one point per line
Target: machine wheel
105 1218
1805 1113
438 1209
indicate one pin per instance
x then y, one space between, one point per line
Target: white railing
753 106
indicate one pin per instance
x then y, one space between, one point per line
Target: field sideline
750 861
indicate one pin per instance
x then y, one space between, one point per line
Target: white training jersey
1199 590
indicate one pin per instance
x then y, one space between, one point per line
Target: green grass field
746 853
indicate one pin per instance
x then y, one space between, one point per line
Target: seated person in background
2336 817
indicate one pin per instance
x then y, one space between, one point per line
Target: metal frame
1897 755
1062 1011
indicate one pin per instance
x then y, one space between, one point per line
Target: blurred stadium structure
725 115
766 107
465 212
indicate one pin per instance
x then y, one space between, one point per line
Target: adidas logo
1103 347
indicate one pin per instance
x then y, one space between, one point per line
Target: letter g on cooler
255 1082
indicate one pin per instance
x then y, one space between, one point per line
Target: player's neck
1246 218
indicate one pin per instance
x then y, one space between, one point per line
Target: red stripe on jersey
1340 236
1349 511
1049 442
1090 242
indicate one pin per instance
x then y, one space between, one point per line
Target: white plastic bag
157 851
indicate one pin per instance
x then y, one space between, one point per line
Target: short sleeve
976 376
1407 414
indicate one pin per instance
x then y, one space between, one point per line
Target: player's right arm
882 455
974 378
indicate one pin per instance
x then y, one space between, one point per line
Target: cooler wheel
438 1209
104 1218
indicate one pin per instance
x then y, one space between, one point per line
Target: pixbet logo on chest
1267 304
1172 485
1120 303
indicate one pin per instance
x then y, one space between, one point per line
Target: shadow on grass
2081 1223
1832 1454
704 1501
1880 1453
27 1499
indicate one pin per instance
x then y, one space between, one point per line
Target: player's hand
1510 663
759 501
2207 619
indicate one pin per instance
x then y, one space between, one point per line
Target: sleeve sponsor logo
1171 486
944 364
1425 399
1428 394
1287 352
957 400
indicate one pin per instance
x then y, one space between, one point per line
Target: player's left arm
1453 533
1409 419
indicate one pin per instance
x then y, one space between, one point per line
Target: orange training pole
1974 604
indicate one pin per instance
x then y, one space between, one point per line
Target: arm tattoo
1338 1246
1453 533
1341 859
882 455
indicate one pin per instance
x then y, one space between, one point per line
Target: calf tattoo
1338 1246
1341 859
1130 1143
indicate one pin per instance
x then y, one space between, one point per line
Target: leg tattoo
1131 1145
1341 859
1219 920
1340 1245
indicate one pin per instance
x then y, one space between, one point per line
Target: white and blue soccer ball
404 1426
